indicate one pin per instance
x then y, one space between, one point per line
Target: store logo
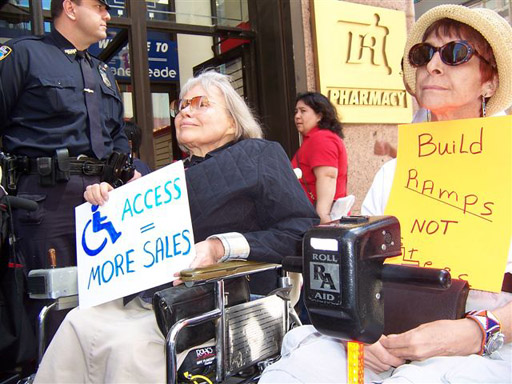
325 277
360 72
367 43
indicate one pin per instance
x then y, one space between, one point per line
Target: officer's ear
68 7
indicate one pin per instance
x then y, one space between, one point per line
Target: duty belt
77 166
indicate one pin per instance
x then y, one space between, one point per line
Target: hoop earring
484 107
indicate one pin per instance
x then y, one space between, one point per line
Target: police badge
103 68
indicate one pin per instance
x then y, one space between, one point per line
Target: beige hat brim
494 28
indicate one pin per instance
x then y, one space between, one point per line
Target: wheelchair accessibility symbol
99 225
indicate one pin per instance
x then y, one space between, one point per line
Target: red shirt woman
322 157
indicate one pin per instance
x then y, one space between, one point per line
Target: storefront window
232 13
229 13
15 25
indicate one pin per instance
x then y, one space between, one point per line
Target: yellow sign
359 51
452 193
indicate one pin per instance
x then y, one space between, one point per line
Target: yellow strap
355 361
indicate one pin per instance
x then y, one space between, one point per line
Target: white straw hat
494 28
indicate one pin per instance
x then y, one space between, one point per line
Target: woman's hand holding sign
97 194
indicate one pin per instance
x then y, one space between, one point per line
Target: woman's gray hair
245 123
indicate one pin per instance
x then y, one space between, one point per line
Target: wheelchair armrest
52 283
227 270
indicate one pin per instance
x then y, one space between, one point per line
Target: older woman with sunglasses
457 65
245 203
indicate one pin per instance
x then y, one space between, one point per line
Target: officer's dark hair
134 134
321 105
57 8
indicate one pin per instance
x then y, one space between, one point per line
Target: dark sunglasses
453 53
195 103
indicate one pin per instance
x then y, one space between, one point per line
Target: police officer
45 99
61 115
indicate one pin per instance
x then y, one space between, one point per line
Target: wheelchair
344 292
246 334
346 289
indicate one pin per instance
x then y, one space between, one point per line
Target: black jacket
249 187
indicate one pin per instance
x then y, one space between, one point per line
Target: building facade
273 49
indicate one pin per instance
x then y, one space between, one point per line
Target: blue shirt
42 102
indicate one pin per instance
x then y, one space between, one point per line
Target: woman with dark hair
322 157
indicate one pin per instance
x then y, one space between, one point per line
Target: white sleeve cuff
235 245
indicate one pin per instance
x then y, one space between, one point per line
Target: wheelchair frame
234 357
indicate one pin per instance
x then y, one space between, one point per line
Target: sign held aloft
137 240
452 193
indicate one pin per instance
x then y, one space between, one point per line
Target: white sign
137 240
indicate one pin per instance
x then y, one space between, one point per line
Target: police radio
343 268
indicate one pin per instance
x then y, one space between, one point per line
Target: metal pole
171 360
41 330
36 17
220 333
139 66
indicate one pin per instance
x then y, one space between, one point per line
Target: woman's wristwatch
490 326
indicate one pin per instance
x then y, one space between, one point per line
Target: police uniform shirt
42 102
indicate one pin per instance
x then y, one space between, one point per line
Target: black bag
407 306
176 303
17 338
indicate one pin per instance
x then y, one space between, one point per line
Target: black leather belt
507 282
77 166
86 167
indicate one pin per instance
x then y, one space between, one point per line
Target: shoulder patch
4 52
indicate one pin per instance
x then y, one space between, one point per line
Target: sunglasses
453 53
195 103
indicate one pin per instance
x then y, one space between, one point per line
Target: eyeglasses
195 103
453 53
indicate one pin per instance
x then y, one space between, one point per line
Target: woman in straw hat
458 64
